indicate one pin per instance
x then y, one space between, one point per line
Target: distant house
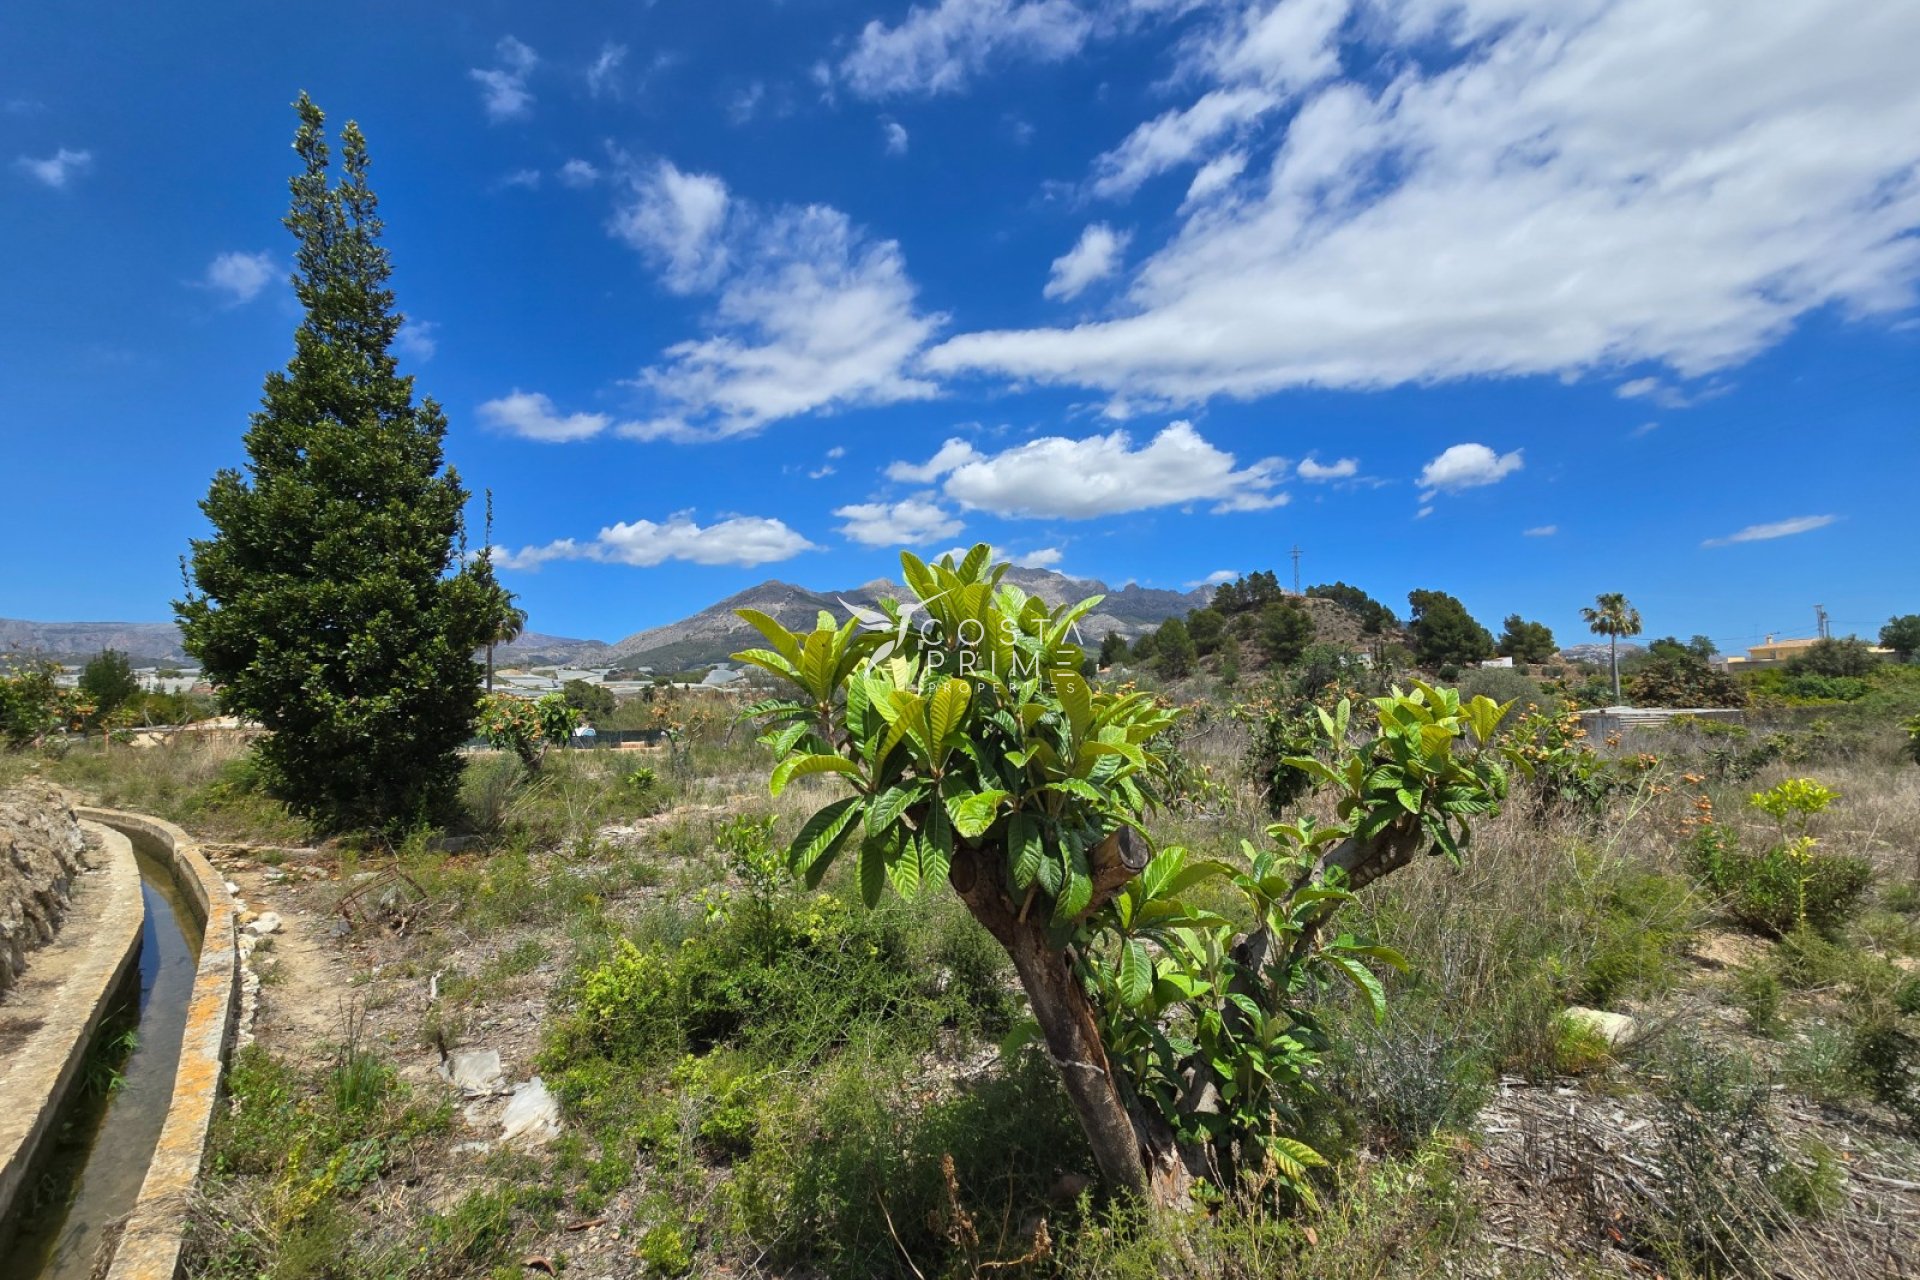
1777 653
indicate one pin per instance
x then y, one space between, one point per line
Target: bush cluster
1775 889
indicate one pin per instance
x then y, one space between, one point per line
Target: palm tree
513 624
1611 616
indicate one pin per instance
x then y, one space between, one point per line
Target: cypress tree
333 603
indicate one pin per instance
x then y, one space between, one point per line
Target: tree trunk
1613 663
1060 1004
489 666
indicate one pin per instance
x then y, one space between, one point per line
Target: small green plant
974 752
1789 885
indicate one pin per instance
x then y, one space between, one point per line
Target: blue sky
1525 301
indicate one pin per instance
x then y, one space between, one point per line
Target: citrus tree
972 753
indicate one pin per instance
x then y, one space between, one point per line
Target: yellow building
1776 653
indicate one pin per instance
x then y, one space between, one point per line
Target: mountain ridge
706 636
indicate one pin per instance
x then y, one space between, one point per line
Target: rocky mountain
537 649
145 643
1596 651
714 632
706 637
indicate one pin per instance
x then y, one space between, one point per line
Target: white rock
265 923
532 1115
1614 1028
474 1071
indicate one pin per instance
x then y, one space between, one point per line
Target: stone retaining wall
53 1012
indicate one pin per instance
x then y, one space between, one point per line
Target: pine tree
331 603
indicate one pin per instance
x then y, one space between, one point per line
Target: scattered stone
532 1115
264 924
475 1072
232 887
341 929
1614 1028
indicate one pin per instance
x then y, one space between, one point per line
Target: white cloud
896 135
1423 513
736 540
745 102
1569 188
578 173
1668 396
1778 529
1467 466
1213 177
1542 531
531 416
1100 475
416 339
1038 558
1341 469
950 455
240 276
822 471
810 315
1095 257
525 179
909 522
58 169
1174 138
838 451
1215 578
677 219
603 72
503 88
939 48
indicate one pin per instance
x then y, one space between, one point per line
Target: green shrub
1782 887
1715 1210
1884 1055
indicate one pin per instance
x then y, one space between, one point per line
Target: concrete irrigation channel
101 1131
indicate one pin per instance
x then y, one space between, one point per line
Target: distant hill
537 649
1596 651
715 632
146 644
709 636
157 644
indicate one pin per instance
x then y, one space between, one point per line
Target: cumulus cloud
735 540
532 416
939 48
58 169
578 173
1094 257
1341 469
909 522
417 339
1214 579
239 276
810 315
503 88
677 221
1057 477
896 135
1778 529
1615 183
1467 466
1038 558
